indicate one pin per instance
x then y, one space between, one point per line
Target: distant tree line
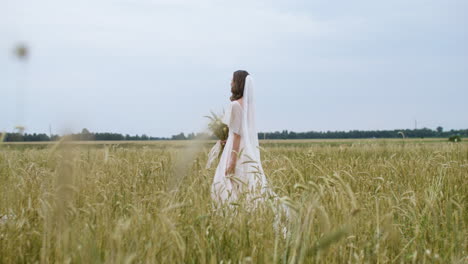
17 137
85 135
397 133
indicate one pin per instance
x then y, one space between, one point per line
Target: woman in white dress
239 173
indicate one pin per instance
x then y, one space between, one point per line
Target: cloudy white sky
157 67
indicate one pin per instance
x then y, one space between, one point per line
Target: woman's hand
230 171
231 168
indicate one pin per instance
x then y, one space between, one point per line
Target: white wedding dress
249 181
248 184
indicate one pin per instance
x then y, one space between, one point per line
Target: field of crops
351 201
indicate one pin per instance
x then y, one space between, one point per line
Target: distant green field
266 143
351 201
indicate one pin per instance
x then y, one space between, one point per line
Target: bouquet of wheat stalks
220 131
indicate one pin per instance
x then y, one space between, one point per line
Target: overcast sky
157 67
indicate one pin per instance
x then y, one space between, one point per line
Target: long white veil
257 179
250 135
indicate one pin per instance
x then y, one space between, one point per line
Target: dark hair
237 88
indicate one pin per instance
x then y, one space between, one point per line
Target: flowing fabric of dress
248 181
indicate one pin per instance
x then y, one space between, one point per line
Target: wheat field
351 201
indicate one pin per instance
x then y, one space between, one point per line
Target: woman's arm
231 168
